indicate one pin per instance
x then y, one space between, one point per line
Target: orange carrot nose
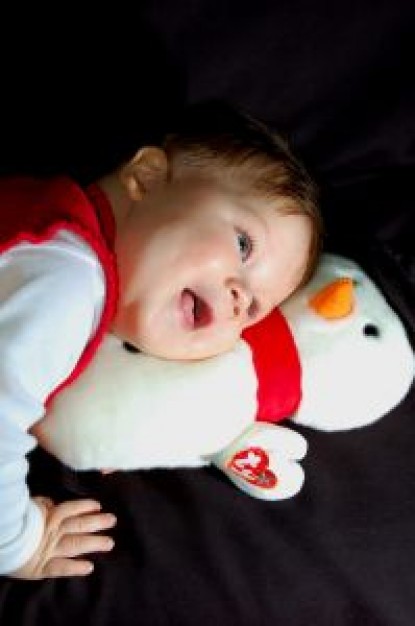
335 300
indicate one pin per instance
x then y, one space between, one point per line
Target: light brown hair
223 142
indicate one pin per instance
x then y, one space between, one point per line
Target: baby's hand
68 533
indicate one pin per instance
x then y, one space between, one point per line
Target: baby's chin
184 352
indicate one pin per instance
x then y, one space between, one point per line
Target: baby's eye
245 244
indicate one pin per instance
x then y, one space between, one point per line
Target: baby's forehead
224 195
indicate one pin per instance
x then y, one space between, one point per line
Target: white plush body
131 410
134 411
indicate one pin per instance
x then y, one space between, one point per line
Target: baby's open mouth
196 311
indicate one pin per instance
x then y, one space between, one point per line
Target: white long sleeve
51 298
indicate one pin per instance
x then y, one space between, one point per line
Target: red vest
34 210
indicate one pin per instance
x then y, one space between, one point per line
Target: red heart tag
252 464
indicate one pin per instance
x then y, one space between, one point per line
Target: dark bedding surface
338 80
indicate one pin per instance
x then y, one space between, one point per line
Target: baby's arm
47 308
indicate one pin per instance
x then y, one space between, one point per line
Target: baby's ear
145 171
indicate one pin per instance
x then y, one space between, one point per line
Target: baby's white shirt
51 299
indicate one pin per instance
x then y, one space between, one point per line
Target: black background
336 78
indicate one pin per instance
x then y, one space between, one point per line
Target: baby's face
197 266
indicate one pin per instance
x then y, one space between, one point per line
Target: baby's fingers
61 567
75 545
74 508
88 523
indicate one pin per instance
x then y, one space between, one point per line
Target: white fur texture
129 411
349 379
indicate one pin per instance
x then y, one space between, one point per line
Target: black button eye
370 330
130 348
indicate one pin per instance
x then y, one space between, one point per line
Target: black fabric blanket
338 80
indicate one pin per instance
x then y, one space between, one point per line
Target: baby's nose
241 297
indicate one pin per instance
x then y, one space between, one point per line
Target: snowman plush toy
333 357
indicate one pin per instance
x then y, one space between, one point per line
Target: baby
176 253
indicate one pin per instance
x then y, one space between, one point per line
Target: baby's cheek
220 342
125 324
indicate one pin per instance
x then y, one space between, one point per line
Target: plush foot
263 461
